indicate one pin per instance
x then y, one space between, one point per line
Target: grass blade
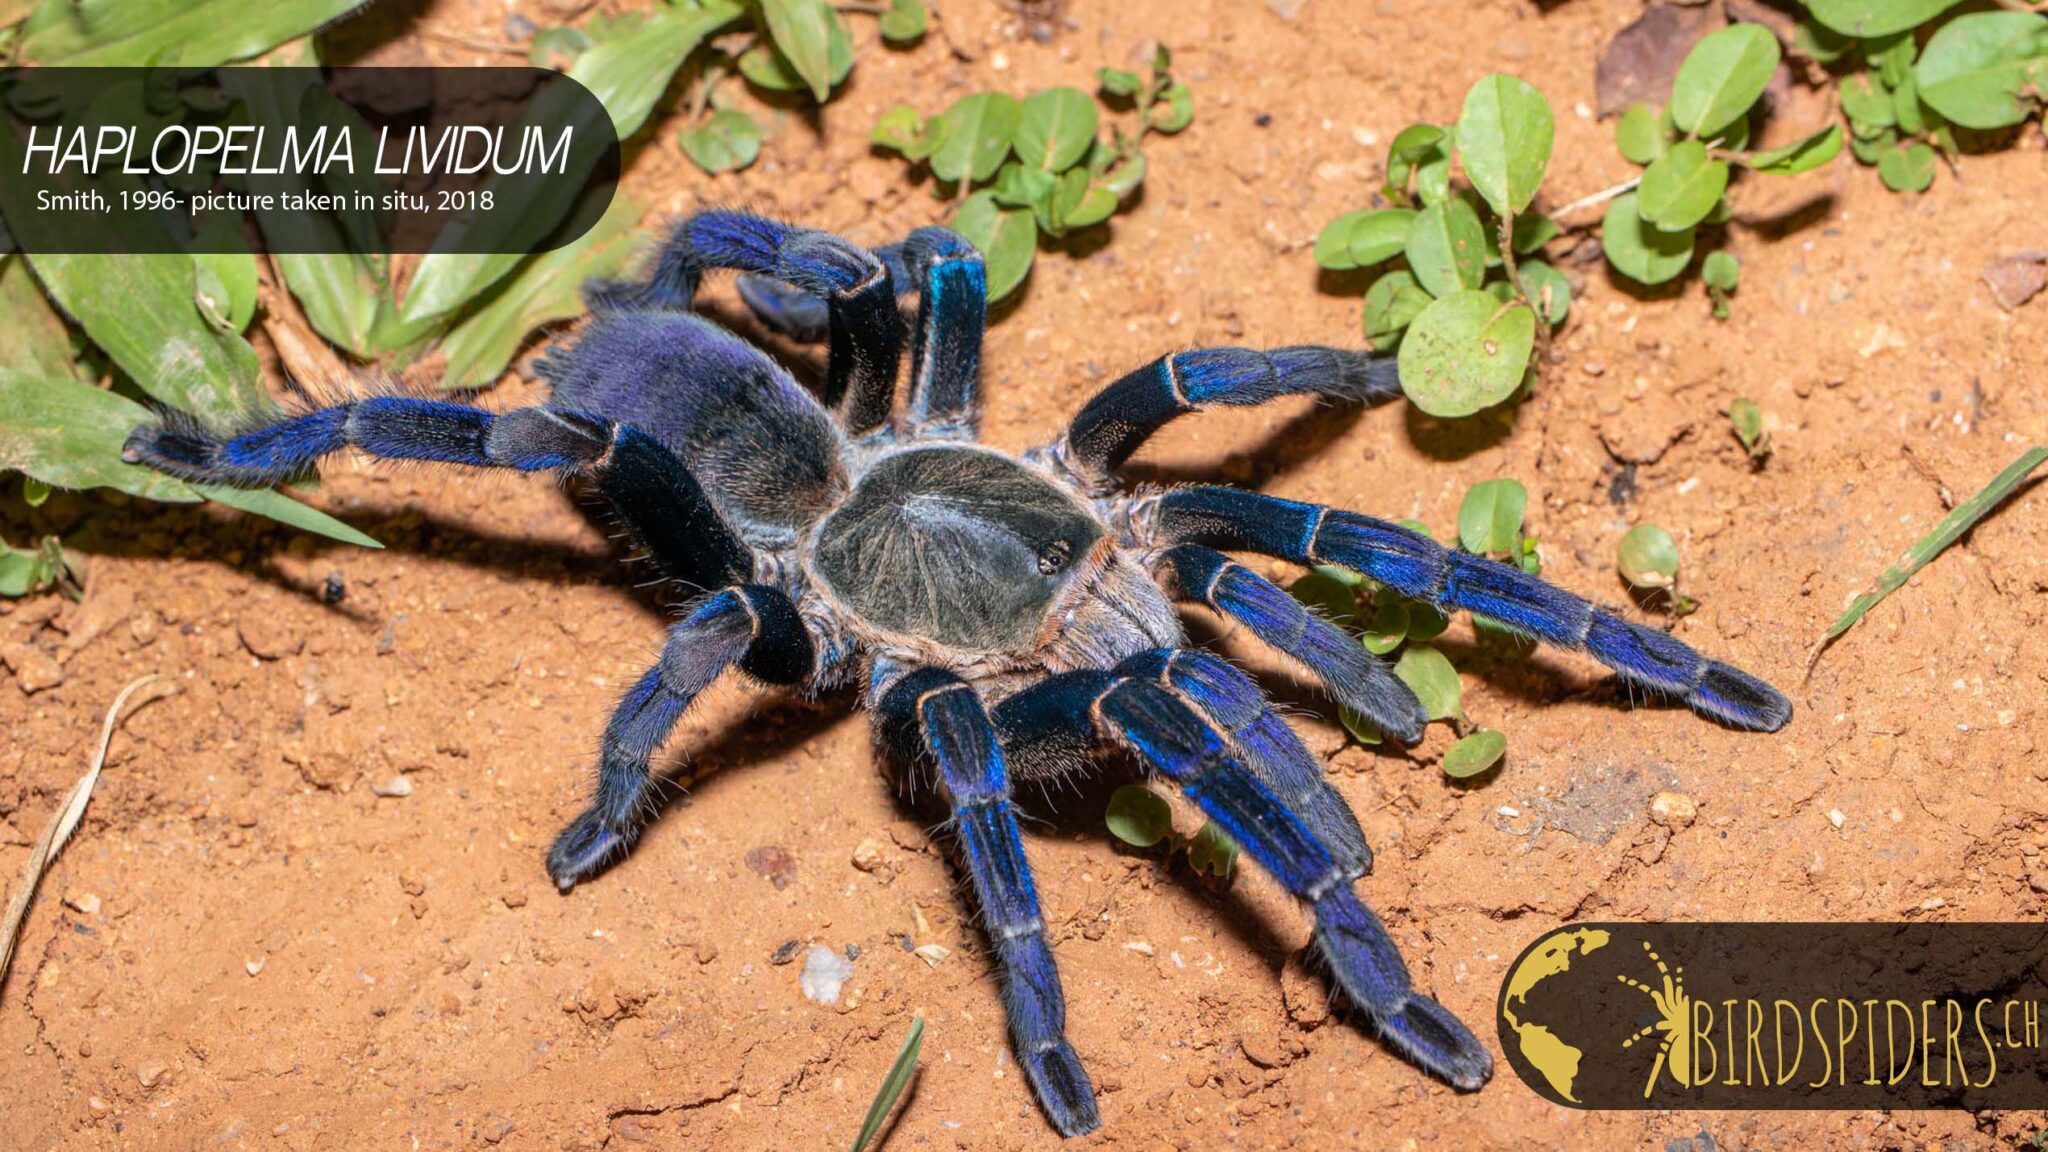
62 824
1960 519
892 1085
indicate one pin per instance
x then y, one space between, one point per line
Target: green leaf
1180 110
1950 529
1465 352
285 510
904 21
1648 557
142 311
1327 596
557 48
1532 232
1118 82
1986 69
1504 136
1640 133
188 33
727 141
1391 305
34 492
902 129
765 66
230 271
1212 851
1006 238
1720 270
1362 239
1547 289
1428 673
1019 187
1748 421
1490 517
1413 147
25 571
900 1072
1138 816
1907 169
1056 128
1446 247
1866 103
1474 754
802 32
976 136
1868 19
33 339
1682 186
69 435
1389 626
1722 77
1640 251
1892 58
1819 43
547 289
1906 107
1799 156
1871 150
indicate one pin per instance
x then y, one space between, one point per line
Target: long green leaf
802 29
193 33
1960 519
285 510
33 341
892 1085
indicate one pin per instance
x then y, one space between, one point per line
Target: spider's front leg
1419 568
1130 707
934 712
754 628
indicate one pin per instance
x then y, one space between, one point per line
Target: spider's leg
659 500
1122 416
1419 568
753 627
1359 681
952 315
1234 706
800 315
936 712
865 331
1170 736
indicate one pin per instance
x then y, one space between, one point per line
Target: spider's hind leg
934 712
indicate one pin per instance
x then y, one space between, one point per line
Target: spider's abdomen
962 546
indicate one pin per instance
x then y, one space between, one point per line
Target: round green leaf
1800 156
1682 186
1640 133
1906 107
1983 70
1474 754
1720 270
1748 421
1327 596
1433 175
1428 673
900 128
1391 304
1871 149
1362 239
1056 128
1532 232
1389 625
977 134
1413 143
1212 851
1180 109
1868 19
1547 289
1866 103
1722 77
1648 557
1490 517
727 141
1138 816
1640 251
1465 352
1446 247
904 21
1504 135
1907 169
1360 726
1119 82
1006 238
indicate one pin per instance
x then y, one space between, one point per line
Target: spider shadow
1295 443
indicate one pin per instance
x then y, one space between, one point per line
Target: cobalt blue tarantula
1009 616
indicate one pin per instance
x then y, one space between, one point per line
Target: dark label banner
1781 1016
366 161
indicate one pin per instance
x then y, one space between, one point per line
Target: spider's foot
177 447
1736 698
586 847
1369 968
1063 1089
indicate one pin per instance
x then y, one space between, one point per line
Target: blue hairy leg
1124 415
654 495
1159 726
1359 681
1419 568
752 627
934 712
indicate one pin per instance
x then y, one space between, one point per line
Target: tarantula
1009 615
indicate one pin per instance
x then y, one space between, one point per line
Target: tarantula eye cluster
1006 613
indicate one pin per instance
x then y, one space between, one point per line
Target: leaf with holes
1212 852
1465 352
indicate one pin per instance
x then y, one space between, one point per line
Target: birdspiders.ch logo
1617 1016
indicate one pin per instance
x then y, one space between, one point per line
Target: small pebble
495 1128
399 785
148 1074
932 954
1836 818
84 903
825 973
253 967
1673 809
785 953
867 855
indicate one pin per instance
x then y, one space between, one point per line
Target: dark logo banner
1781 1016
364 161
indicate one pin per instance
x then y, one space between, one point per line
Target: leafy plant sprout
1004 617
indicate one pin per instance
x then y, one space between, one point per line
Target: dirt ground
253 943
